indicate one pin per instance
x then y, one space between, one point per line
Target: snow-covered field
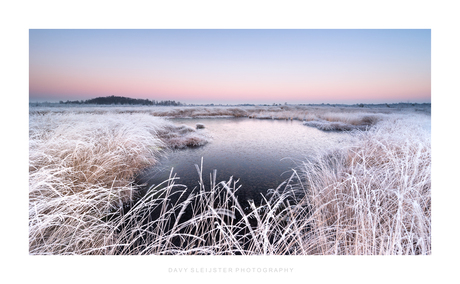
371 198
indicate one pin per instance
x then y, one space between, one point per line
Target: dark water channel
260 153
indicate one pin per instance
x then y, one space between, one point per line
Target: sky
232 66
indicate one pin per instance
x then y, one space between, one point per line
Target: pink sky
235 66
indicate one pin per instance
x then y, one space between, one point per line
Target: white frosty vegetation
374 197
327 117
82 166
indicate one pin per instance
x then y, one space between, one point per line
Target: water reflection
260 153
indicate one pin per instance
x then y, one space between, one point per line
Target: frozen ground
324 117
372 198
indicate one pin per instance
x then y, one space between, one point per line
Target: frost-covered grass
82 166
324 117
373 197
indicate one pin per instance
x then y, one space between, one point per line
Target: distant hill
117 100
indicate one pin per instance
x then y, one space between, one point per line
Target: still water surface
260 153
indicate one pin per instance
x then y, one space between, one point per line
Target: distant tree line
115 100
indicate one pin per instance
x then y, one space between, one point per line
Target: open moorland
372 197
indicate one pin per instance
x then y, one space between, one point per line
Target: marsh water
260 153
